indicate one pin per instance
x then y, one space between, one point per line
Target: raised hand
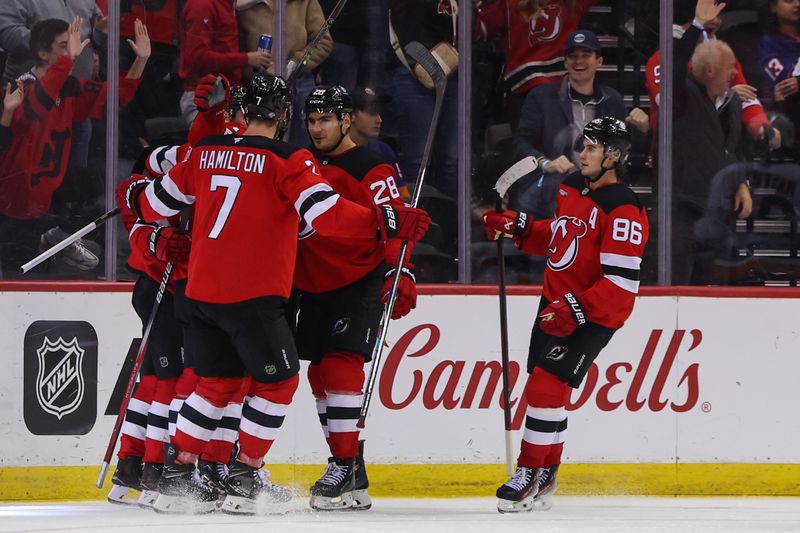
74 44
708 10
141 47
13 98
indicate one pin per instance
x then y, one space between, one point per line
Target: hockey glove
128 192
403 223
406 299
562 317
169 244
212 93
508 224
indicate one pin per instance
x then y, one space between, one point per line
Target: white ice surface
584 514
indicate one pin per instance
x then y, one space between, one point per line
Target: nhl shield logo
60 377
59 382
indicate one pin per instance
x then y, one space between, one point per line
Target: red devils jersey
594 248
326 263
249 194
34 165
534 48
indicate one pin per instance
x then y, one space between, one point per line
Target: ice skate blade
510 506
345 502
264 504
361 500
542 502
182 505
120 495
147 499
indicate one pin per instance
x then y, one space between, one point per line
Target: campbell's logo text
452 384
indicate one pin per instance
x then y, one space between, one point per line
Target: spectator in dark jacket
707 133
554 115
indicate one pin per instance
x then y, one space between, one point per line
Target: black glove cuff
577 310
132 195
521 224
390 220
153 242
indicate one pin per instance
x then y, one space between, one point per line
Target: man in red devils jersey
250 193
340 282
594 249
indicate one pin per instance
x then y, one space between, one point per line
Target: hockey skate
181 490
528 489
212 473
127 477
334 491
150 477
250 491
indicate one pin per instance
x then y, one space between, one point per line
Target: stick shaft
377 351
91 226
326 27
112 441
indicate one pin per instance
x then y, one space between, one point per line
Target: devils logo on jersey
546 26
563 247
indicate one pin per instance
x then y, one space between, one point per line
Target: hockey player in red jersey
340 284
594 248
250 193
145 431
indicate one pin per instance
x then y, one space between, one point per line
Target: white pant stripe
259 432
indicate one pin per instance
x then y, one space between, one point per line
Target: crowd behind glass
536 71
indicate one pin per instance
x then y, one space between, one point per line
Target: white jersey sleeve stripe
624 283
623 261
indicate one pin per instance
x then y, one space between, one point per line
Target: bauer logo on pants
60 378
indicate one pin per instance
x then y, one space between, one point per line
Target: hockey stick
509 177
326 27
137 364
69 240
421 55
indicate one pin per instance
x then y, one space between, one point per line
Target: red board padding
451 289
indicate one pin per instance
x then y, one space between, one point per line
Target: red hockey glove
128 192
406 292
508 223
212 93
169 244
404 223
562 317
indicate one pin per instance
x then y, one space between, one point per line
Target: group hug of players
281 254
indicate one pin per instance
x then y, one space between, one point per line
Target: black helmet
612 133
329 99
267 97
237 100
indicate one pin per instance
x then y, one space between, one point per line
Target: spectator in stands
554 116
779 57
365 128
360 38
707 133
17 17
11 102
210 45
429 22
753 116
304 18
32 169
534 34
162 88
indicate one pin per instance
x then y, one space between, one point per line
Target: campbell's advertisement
688 379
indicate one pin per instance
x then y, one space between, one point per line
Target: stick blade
515 172
423 56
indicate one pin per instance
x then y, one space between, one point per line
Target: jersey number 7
231 184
